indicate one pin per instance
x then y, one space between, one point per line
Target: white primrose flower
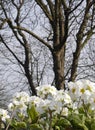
72 90
16 103
41 107
4 115
19 103
62 97
89 85
21 96
39 104
44 106
59 97
22 108
82 92
34 100
76 89
64 111
80 87
51 104
84 85
92 101
11 107
19 107
85 97
58 107
67 98
46 91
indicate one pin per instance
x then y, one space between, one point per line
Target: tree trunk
74 67
30 81
58 62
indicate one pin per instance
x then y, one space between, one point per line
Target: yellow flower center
82 90
73 90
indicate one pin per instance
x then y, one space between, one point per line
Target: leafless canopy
57 31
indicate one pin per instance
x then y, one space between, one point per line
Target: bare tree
61 21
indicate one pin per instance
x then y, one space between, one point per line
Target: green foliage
78 121
93 125
33 114
18 125
35 127
34 121
90 123
62 123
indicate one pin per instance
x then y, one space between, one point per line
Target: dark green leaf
35 127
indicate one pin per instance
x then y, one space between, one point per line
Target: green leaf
21 125
18 125
63 122
78 121
74 119
93 125
83 127
57 128
33 114
88 123
35 127
82 118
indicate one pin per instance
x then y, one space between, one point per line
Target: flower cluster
82 92
49 104
48 99
52 99
19 103
4 115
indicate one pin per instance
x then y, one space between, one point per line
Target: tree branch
35 36
20 62
51 6
76 6
44 8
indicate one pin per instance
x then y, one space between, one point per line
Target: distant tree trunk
30 81
75 61
80 42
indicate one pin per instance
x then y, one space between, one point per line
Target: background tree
58 29
4 95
